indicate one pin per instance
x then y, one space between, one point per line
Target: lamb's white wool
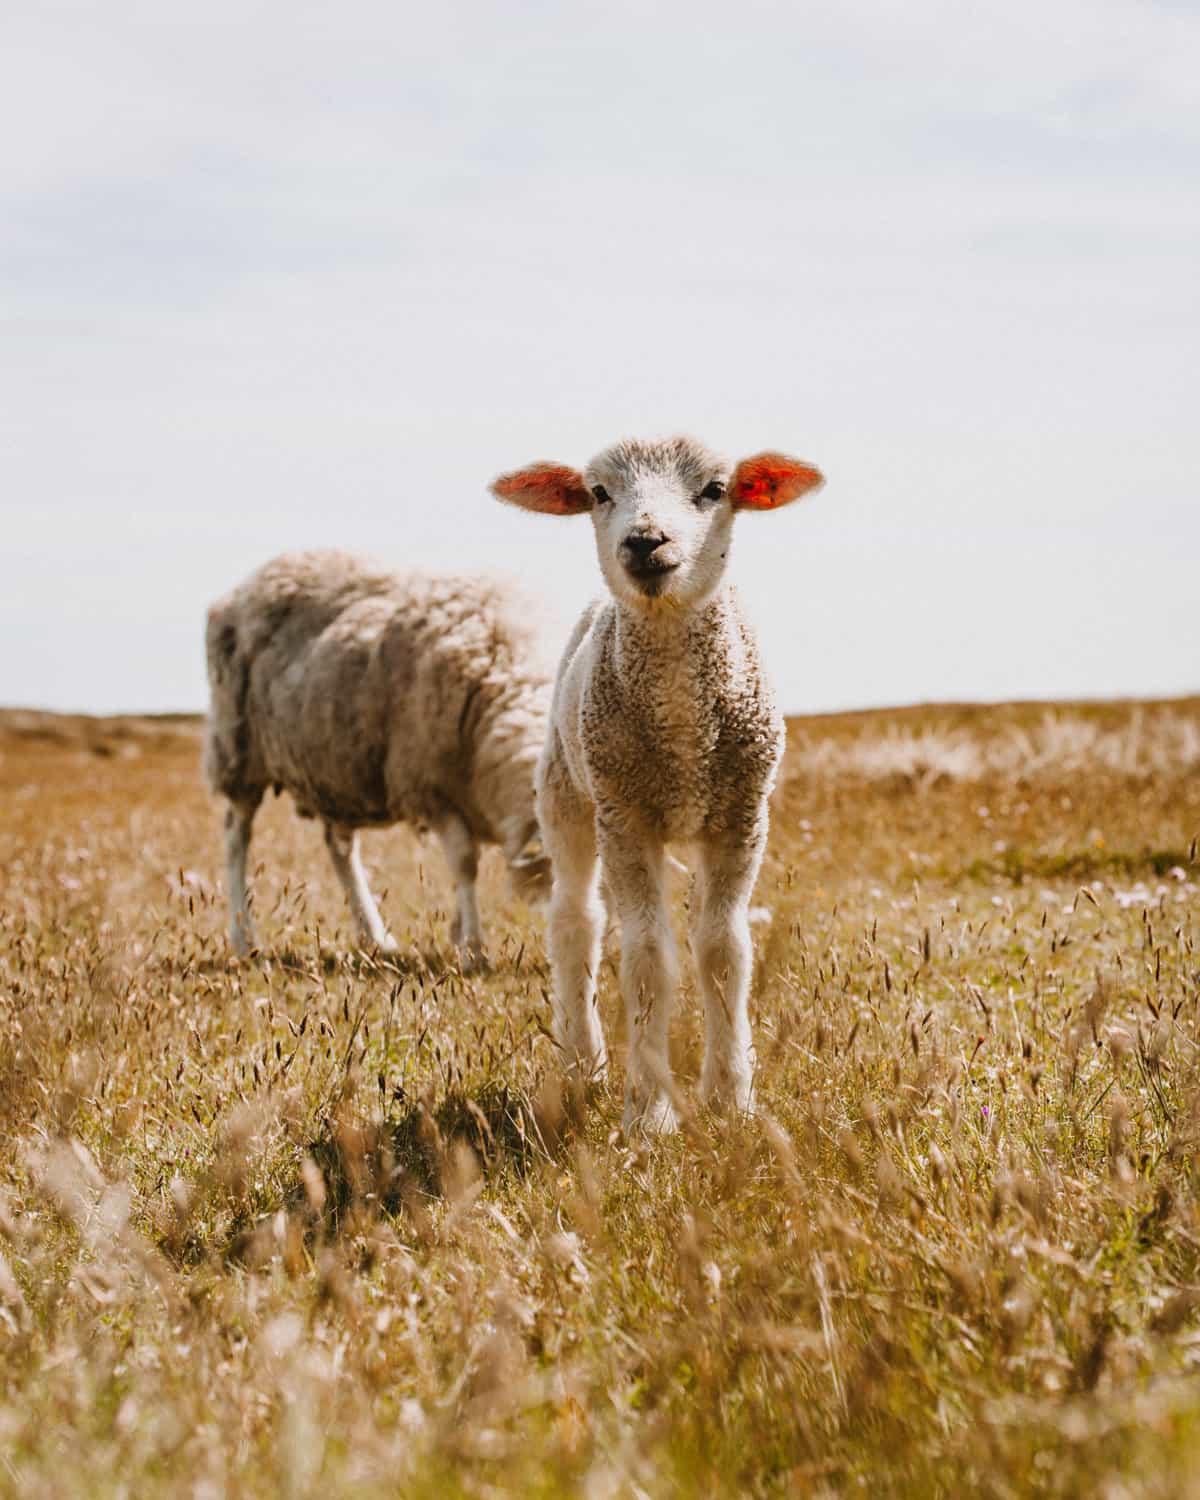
376 699
662 730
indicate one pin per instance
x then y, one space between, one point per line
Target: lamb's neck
668 637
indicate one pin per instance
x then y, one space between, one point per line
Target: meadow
322 1223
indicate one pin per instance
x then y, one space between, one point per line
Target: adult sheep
376 698
663 729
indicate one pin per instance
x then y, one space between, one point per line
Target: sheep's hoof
242 942
378 944
473 961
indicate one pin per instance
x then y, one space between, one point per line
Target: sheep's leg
462 855
342 844
724 957
239 818
634 874
574 923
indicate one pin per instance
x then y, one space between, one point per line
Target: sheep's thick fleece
376 698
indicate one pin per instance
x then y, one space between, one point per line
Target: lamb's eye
713 490
600 495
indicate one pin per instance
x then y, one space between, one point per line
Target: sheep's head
529 875
662 511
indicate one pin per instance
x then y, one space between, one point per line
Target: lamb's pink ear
554 489
769 480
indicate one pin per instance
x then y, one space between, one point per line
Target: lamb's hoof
728 1099
387 944
727 1082
656 1116
591 1071
725 1108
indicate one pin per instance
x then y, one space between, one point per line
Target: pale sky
277 275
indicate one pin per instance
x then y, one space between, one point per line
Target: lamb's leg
342 844
724 958
634 874
462 855
239 818
574 923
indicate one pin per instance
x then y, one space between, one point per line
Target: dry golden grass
319 1224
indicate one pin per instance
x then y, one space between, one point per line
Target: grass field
319 1224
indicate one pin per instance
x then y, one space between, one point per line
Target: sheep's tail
226 734
508 737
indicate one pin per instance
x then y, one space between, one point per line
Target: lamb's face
662 511
663 521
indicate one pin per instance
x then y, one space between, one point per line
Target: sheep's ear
553 489
769 480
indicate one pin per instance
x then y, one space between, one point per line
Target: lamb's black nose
643 544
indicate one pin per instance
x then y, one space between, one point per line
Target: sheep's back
360 689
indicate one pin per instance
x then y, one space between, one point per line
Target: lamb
376 698
662 729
